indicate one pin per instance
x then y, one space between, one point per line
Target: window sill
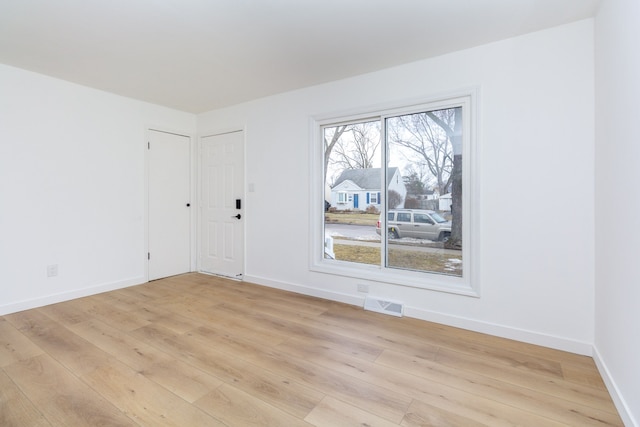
413 279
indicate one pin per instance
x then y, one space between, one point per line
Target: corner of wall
614 391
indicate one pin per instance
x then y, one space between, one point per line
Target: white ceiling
199 55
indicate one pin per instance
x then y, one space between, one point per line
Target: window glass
437 218
427 147
422 218
399 165
403 217
352 158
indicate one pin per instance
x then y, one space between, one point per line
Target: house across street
360 188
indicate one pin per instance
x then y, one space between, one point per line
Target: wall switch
52 270
363 288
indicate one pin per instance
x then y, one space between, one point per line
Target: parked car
416 223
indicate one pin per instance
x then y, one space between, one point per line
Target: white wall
72 180
617 202
537 155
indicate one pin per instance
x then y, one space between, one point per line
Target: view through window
394 191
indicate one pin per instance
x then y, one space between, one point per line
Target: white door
169 204
222 218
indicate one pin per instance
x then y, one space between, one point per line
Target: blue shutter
367 198
378 197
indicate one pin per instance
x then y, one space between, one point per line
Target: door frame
192 194
199 188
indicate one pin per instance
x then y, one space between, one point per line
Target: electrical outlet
52 270
363 288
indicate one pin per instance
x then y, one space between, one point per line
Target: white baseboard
559 343
522 335
307 290
69 295
616 396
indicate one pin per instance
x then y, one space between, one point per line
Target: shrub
411 203
372 210
393 199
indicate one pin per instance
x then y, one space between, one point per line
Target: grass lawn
402 258
353 218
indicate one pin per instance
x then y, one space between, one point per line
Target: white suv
416 223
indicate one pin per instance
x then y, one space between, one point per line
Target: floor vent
393 308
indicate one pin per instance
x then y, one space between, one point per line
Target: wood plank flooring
196 350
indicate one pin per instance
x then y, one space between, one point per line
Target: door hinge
148 255
148 145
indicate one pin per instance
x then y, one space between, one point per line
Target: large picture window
408 176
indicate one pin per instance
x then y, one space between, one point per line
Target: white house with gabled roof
356 189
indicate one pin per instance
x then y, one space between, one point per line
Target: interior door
169 183
222 218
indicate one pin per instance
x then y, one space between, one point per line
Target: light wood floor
195 350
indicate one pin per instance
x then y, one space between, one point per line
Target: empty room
330 213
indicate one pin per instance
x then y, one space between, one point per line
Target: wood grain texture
144 400
14 346
200 350
63 398
237 408
15 408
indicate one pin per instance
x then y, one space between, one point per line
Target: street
365 235
356 232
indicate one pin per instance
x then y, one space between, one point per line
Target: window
422 218
404 217
401 156
342 197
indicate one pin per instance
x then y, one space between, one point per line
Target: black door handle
237 216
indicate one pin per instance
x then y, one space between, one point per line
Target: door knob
237 216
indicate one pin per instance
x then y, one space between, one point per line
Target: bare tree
331 138
358 151
435 137
426 142
453 128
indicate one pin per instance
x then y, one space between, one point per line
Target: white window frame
469 283
343 197
373 194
